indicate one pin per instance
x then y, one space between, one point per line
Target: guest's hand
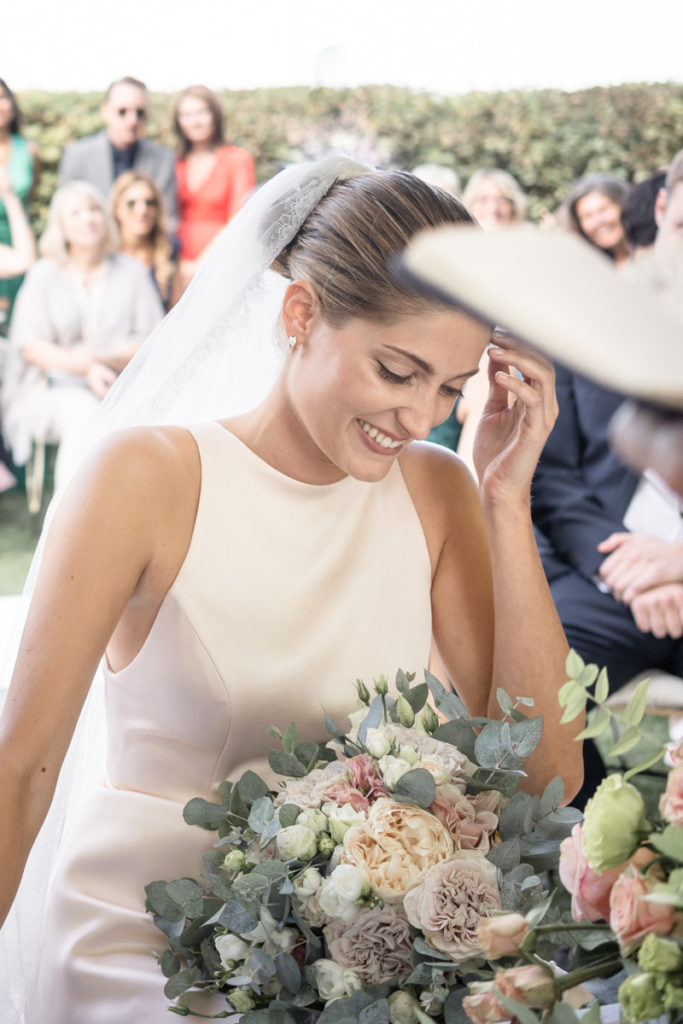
47 356
100 378
636 562
660 611
518 416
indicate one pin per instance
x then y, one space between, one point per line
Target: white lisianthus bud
334 904
333 981
241 1001
341 818
315 820
307 883
392 768
235 861
231 948
402 1008
296 842
406 715
349 881
408 754
377 743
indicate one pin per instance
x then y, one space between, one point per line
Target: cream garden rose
396 846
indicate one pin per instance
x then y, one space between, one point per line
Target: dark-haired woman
18 158
214 179
268 558
592 210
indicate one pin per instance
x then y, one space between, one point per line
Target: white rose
334 904
315 820
408 754
349 882
377 743
296 842
341 819
231 947
436 768
392 768
307 883
334 981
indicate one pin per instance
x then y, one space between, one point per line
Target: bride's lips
379 441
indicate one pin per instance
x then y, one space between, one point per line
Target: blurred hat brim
556 293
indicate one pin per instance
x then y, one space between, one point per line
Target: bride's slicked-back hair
344 247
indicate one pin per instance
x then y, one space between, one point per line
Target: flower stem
582 974
545 929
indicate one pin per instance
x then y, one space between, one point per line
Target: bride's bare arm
495 623
116 534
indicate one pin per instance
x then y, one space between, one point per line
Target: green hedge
544 138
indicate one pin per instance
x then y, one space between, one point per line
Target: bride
245 569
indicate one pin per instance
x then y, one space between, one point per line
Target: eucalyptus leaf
375 1013
421 975
236 918
171 929
262 966
333 728
200 812
635 709
518 1010
262 811
567 691
252 787
169 963
181 982
424 949
288 972
290 739
402 682
286 764
626 742
161 903
553 795
601 692
271 869
288 814
345 1009
490 748
575 705
599 721
417 696
446 701
224 791
453 1012
372 720
526 735
251 889
417 786
505 855
561 1013
505 701
588 675
459 733
516 818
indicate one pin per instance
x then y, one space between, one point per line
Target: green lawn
18 536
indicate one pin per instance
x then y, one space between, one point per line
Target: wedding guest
214 178
80 316
19 162
137 207
638 214
592 209
121 146
494 198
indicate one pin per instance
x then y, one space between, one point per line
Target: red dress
204 211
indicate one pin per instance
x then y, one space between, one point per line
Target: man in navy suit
611 540
120 146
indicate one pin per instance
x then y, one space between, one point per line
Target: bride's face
361 393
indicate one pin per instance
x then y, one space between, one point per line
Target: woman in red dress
214 179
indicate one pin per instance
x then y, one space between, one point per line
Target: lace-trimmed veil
214 355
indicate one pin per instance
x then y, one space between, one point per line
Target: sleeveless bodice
287 594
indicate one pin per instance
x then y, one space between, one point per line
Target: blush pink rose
503 935
589 890
531 985
471 825
671 800
632 917
483 1006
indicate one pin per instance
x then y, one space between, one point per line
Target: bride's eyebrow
427 367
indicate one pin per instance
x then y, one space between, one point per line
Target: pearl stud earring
292 342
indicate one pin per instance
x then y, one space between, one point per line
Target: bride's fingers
538 407
537 373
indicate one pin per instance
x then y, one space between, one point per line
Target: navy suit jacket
90 159
581 490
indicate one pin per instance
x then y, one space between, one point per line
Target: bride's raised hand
518 416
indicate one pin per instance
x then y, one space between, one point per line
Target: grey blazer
90 159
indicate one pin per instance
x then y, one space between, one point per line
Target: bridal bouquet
624 874
356 892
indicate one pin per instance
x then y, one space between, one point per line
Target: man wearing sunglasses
120 146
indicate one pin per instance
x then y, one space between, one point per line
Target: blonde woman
137 206
80 316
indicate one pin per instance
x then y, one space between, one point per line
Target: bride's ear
299 309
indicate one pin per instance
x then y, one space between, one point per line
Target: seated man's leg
603 632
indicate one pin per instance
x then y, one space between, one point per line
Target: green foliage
545 138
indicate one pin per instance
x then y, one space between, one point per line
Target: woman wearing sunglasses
137 207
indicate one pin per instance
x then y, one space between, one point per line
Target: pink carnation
632 917
671 800
471 826
363 786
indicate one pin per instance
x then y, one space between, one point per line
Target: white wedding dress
288 593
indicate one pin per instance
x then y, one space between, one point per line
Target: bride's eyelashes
396 378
